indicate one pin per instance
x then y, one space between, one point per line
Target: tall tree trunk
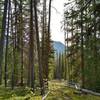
6 52
31 51
2 39
82 50
49 46
21 40
43 38
15 45
95 45
72 50
49 19
38 49
13 56
65 63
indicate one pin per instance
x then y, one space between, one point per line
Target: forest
31 68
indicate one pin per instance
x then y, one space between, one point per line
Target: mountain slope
58 46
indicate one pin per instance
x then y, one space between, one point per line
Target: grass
57 92
61 92
18 94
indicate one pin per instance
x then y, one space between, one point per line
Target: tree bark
2 39
38 49
6 51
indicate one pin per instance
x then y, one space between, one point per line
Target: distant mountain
58 46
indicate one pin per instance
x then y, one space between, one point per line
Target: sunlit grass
60 92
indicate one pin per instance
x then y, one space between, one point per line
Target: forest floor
57 91
23 93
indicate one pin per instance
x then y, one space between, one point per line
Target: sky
57 16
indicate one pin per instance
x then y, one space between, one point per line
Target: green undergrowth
18 94
58 91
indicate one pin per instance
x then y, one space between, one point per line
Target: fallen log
91 92
84 91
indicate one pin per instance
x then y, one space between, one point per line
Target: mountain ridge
58 46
